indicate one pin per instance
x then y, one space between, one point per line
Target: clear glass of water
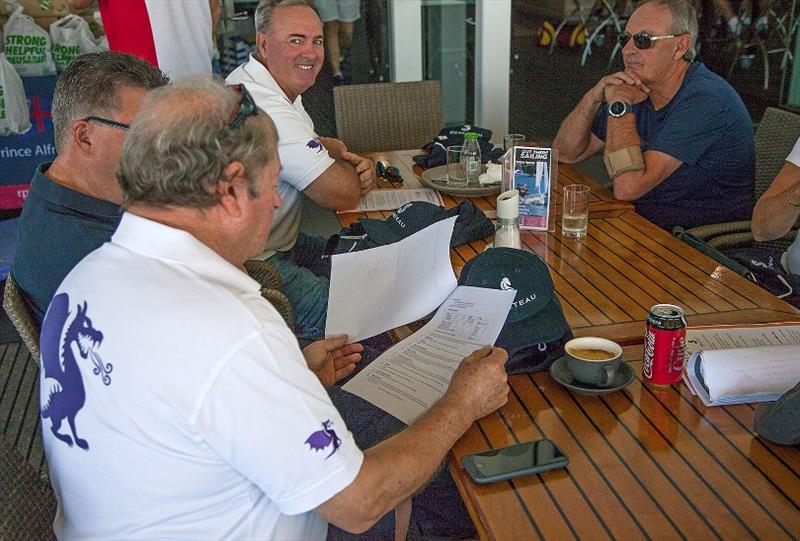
575 212
456 171
512 140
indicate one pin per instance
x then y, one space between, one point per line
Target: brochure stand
533 171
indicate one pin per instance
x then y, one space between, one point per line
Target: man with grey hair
191 411
73 204
288 58
677 139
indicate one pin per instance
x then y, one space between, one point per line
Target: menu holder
533 171
742 364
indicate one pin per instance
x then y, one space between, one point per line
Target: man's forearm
776 212
575 132
396 468
773 217
621 133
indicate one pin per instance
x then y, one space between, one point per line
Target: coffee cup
593 361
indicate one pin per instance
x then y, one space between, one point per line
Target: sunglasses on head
643 40
247 107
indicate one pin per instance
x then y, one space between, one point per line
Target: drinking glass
575 213
512 140
456 171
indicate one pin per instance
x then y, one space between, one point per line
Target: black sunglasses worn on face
247 107
643 40
107 122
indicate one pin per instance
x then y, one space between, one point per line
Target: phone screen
508 462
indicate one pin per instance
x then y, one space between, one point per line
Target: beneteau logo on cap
505 284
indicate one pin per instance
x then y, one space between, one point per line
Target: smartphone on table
513 461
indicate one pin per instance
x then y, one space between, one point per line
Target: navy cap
472 223
535 315
404 222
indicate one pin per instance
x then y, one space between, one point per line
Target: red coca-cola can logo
664 345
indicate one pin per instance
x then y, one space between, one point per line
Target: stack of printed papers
756 364
375 290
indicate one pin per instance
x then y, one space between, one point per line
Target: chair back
776 135
21 317
27 505
271 287
388 116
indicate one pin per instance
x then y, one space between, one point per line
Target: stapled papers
408 378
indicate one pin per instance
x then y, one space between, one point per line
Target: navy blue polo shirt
708 128
57 228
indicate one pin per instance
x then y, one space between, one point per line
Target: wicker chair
20 315
388 116
774 139
271 287
27 505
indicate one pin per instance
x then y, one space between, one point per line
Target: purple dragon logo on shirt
320 439
63 392
315 144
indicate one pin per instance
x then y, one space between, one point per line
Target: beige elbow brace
623 160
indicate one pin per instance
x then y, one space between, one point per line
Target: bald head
178 147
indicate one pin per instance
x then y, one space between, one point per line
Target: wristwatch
618 108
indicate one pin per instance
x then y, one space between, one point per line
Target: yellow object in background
578 36
546 34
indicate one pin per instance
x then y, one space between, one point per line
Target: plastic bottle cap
508 205
470 135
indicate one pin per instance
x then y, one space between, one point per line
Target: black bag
435 151
535 332
765 269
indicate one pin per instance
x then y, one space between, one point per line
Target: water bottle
471 158
506 234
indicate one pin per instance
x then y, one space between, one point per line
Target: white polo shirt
195 414
303 158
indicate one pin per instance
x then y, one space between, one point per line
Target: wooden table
608 280
645 462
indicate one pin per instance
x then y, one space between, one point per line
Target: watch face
617 108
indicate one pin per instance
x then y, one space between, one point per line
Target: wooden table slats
646 462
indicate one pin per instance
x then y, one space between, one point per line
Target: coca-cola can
664 345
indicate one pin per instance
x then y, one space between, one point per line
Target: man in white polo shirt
175 401
289 57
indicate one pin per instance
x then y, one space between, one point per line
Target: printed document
391 199
375 290
407 379
742 364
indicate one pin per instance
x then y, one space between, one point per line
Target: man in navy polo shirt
74 202
677 139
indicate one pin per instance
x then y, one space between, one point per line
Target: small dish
560 373
436 178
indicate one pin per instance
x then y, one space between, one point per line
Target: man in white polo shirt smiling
289 57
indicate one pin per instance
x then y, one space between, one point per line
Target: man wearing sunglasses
289 56
73 204
676 139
